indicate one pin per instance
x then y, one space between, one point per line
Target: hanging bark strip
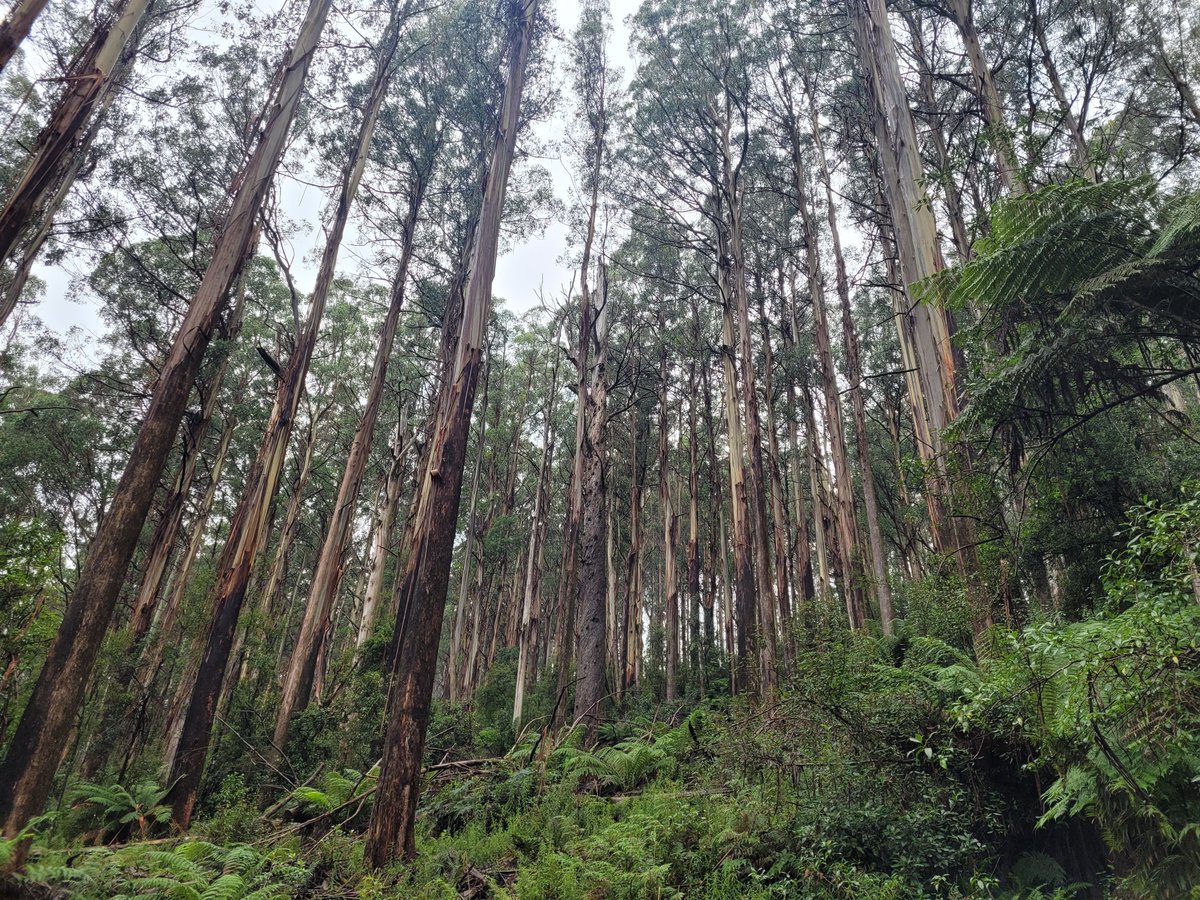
427 571
248 527
923 328
39 739
297 683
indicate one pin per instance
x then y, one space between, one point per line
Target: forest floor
864 777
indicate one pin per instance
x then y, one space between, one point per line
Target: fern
227 887
628 765
118 806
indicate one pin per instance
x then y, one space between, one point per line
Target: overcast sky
536 264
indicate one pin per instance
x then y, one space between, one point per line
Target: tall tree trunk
632 612
454 676
384 520
87 85
699 655
1007 164
37 744
882 589
427 571
591 690
778 507
266 607
670 531
298 681
1079 146
16 27
732 642
536 556
166 532
937 138
763 624
843 486
248 527
923 327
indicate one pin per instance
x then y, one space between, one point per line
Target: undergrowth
1061 760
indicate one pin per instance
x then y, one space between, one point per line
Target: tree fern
1077 284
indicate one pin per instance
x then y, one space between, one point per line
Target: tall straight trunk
591 691
385 518
454 676
1079 146
16 27
937 138
881 586
248 527
266 608
670 534
743 567
801 542
845 519
923 328
1007 165
166 532
565 611
632 613
427 571
732 645
695 598
778 507
610 596
297 683
168 613
37 744
816 491
87 86
763 624
478 610
536 556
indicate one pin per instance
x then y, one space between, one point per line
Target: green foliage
195 870
336 789
1108 703
628 765
118 810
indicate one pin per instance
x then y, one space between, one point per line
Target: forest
600 449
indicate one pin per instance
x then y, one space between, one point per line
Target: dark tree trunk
427 571
40 737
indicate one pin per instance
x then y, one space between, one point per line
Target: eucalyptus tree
427 570
16 27
923 327
32 202
423 147
248 528
697 137
595 83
